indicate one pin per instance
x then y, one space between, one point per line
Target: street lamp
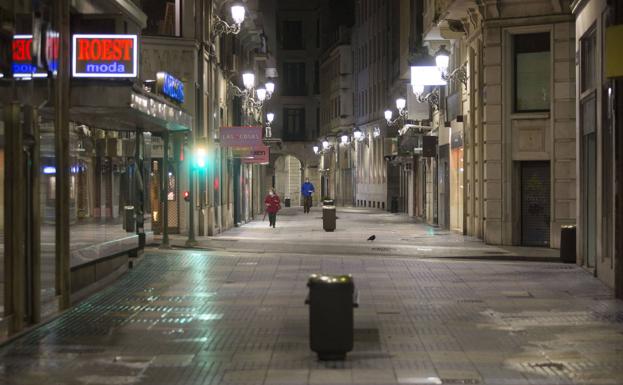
388 116
237 14
261 94
401 103
344 139
316 149
325 144
248 79
270 88
269 119
357 134
222 27
376 132
442 59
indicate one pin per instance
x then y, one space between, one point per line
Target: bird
371 238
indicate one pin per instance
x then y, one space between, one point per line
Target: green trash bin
329 217
128 224
331 300
567 244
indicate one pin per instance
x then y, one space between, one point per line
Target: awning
120 106
126 108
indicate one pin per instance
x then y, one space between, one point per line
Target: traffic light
200 157
187 196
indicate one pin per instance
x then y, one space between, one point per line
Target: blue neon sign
170 87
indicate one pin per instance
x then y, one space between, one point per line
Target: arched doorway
288 178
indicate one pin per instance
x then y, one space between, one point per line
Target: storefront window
532 72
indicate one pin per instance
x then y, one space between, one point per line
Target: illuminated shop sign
170 86
104 56
21 55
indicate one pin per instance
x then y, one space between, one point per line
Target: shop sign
104 56
249 136
22 59
258 155
170 86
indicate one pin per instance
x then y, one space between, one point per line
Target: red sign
22 61
258 155
237 137
105 56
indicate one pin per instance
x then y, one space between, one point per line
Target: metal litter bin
331 300
328 215
394 205
128 212
567 244
287 202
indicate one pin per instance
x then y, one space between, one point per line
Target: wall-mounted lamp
316 149
253 98
269 119
325 144
442 58
401 104
344 139
222 27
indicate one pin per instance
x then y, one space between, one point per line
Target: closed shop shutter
535 204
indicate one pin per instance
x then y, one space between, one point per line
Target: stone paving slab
200 317
396 235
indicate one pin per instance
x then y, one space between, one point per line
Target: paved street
233 315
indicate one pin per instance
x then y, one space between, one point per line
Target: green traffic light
201 157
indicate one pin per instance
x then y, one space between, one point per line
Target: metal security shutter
535 204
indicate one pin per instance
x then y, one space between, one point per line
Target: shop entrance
535 204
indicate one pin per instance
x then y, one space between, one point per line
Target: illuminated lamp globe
357 134
237 14
248 79
388 115
401 103
270 87
442 59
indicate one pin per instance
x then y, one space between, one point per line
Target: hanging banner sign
170 86
104 56
21 55
258 155
249 136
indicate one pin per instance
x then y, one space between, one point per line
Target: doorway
535 204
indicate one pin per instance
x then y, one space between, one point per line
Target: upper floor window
294 123
292 34
294 79
163 17
532 72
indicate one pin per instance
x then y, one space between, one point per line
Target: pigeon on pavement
372 238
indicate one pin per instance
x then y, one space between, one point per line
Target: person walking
307 189
273 205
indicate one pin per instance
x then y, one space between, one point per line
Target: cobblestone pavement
218 317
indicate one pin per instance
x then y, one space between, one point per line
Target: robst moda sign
104 56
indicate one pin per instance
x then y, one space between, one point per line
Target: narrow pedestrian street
434 308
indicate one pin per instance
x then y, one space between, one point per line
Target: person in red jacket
273 205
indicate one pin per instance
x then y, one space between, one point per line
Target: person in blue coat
307 190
